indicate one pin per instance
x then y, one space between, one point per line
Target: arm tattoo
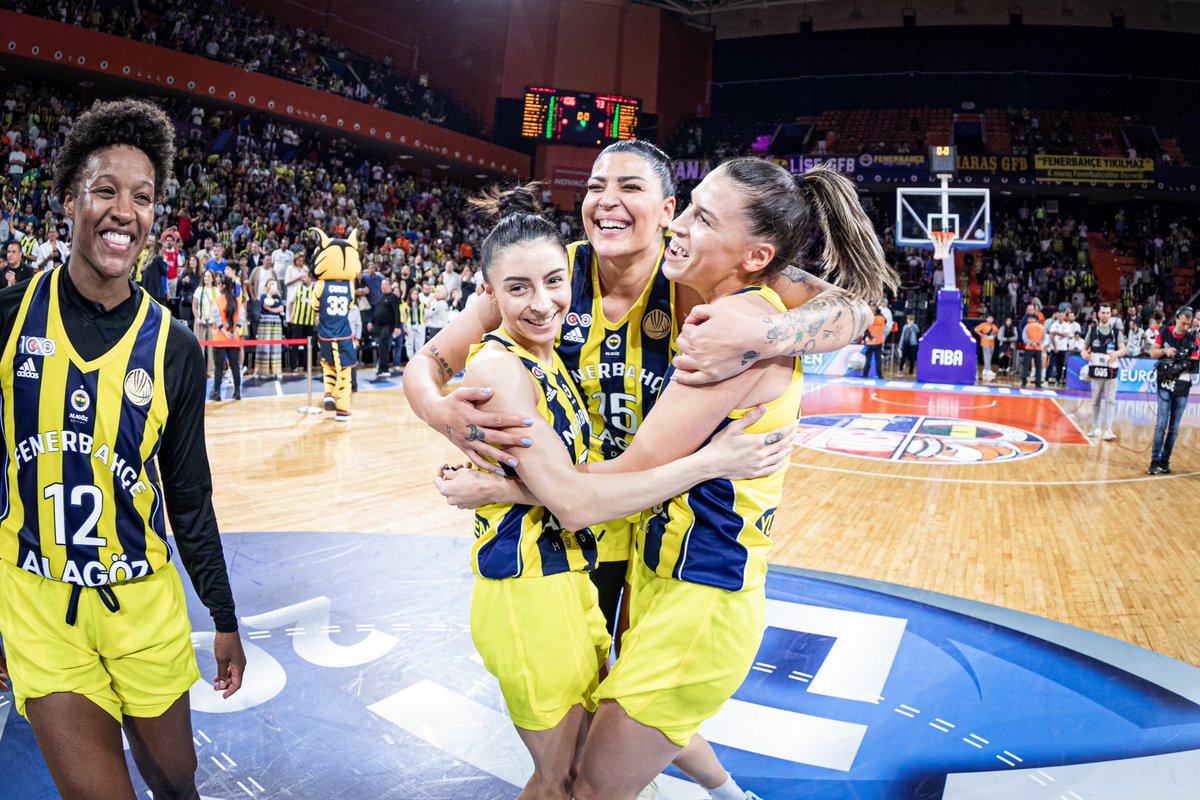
823 318
750 356
445 366
474 434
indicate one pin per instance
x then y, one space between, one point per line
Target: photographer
1103 345
1177 348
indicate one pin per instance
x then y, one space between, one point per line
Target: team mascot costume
335 265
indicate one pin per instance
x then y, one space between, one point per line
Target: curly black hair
106 124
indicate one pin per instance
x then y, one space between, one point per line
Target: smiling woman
535 617
86 356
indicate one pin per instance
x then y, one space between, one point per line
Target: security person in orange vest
873 339
1033 335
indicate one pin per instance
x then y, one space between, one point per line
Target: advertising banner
1135 375
834 364
571 178
1093 169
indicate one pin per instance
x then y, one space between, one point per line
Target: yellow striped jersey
621 367
80 500
719 532
520 541
303 310
416 312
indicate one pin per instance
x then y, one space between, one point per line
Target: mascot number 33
335 265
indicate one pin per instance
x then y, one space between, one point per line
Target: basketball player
534 613
697 610
96 380
615 275
617 339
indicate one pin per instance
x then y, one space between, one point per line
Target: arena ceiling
737 18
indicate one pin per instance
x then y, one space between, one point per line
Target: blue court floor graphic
363 683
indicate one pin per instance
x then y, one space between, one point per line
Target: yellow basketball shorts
137 660
614 539
687 650
544 639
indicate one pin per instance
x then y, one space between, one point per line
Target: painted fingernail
487 391
500 472
527 442
528 423
512 462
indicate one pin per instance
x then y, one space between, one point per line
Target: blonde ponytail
853 258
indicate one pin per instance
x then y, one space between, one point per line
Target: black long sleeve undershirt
182 458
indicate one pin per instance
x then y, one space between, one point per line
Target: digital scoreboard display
553 115
942 160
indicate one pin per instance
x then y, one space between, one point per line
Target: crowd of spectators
246 189
243 214
232 32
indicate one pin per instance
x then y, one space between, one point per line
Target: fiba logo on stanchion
138 387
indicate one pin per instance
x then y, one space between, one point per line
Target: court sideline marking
934 479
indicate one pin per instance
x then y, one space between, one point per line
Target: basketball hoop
942 241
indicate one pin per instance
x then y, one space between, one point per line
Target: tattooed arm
457 415
719 341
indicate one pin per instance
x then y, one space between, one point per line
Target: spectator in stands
1007 346
987 332
437 315
910 339
1033 336
206 311
154 273
217 263
1135 340
14 263
227 327
189 281
267 361
385 317
52 252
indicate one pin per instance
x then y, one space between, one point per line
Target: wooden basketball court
1075 532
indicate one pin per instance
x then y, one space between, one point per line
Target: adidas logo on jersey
551 393
574 335
27 370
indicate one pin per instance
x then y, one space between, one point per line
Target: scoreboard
553 115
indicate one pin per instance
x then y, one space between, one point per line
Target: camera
1170 369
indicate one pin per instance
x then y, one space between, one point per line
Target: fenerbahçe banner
1136 375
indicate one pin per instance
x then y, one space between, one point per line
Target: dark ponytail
793 212
851 254
516 213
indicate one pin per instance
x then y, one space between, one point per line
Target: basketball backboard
921 213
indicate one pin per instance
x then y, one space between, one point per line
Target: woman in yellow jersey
102 398
534 613
697 608
618 337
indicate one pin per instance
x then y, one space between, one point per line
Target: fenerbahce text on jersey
719 532
79 441
621 367
520 541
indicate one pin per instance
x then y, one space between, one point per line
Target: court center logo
916 439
